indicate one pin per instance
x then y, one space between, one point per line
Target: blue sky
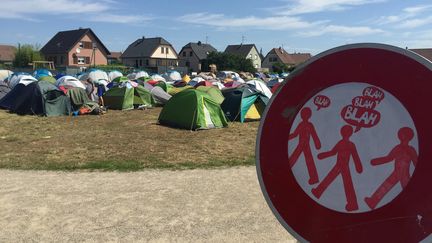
298 25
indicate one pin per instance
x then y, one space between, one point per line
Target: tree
26 54
280 67
227 61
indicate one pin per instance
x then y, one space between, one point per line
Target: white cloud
407 18
415 23
120 19
342 30
296 7
94 11
22 8
272 23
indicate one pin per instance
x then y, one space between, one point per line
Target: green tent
127 97
243 103
214 92
175 90
192 109
50 79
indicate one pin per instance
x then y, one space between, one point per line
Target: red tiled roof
7 53
295 58
115 55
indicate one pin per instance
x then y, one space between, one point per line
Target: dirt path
224 205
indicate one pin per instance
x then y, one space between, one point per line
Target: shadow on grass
132 165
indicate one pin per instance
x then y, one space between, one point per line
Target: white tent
97 75
141 74
260 86
21 79
4 74
69 81
114 74
157 77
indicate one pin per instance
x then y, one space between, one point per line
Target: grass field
119 140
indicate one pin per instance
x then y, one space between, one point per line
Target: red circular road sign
342 150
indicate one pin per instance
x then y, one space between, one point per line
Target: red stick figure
344 149
304 131
402 155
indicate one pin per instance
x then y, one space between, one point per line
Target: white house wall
158 53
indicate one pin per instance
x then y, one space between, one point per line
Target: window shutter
87 60
75 60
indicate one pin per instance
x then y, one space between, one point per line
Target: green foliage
228 61
279 67
26 54
119 67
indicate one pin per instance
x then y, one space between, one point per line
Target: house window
162 50
167 50
81 45
256 57
61 60
159 62
187 64
81 60
190 53
256 65
140 62
250 56
184 53
147 62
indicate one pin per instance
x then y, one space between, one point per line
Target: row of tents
200 102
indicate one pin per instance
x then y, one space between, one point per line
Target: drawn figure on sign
344 149
305 130
402 155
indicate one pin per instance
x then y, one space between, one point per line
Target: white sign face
353 147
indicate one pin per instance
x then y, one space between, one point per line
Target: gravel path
222 205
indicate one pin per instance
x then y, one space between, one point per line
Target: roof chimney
199 43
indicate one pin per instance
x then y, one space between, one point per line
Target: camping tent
160 96
126 97
41 73
243 103
157 77
260 86
114 74
5 74
47 78
96 76
192 109
68 82
214 92
38 98
20 78
137 75
172 76
4 89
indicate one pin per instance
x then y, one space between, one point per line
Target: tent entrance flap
246 104
252 113
208 121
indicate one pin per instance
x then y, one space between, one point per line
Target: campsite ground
119 140
151 195
216 205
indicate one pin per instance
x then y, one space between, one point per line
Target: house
192 55
114 57
155 54
425 52
7 54
76 48
248 51
279 55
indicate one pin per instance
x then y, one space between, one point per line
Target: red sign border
298 71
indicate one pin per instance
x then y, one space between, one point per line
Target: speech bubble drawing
364 102
374 93
321 101
360 117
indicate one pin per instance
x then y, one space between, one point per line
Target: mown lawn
119 140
